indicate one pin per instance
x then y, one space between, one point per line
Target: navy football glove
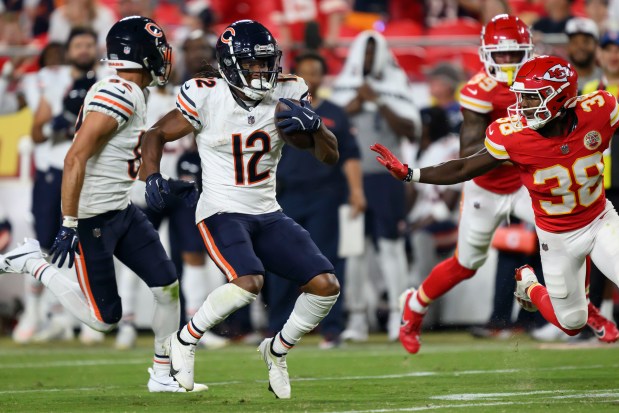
300 118
159 189
66 243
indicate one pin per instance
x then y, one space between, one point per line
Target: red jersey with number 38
483 94
564 175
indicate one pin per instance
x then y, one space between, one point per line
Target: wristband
69 222
413 175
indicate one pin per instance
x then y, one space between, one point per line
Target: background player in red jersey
490 198
555 140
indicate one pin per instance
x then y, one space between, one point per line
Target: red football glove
389 160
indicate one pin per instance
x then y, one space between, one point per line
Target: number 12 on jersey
239 146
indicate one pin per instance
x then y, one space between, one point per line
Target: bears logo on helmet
137 42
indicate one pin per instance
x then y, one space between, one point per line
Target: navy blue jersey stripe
122 115
184 112
117 97
191 102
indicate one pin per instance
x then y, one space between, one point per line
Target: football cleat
604 329
410 324
279 383
167 384
525 277
182 358
15 260
126 336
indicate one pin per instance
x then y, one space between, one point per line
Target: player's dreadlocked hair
208 70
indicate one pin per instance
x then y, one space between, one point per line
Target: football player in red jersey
490 198
555 141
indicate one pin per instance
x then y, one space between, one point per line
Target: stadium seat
401 28
413 61
456 27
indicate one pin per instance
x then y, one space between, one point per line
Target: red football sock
539 296
443 278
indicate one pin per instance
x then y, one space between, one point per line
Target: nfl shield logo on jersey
251 120
592 140
127 50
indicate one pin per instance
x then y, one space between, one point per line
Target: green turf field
453 372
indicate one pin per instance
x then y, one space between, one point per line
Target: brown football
298 140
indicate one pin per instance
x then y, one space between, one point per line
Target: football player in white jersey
99 222
231 112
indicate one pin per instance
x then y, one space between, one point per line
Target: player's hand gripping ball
295 122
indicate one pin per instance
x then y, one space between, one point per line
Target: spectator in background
126 8
582 46
443 83
197 51
558 12
375 93
311 194
432 218
80 13
598 11
310 24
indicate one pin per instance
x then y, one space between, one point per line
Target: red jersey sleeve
497 135
476 95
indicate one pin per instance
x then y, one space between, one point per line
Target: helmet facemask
253 84
504 72
161 66
536 116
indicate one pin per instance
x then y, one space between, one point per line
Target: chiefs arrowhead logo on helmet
557 73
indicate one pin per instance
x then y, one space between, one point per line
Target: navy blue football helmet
137 42
247 40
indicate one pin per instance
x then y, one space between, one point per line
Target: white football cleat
182 358
525 277
89 336
15 260
59 327
26 327
167 384
279 383
126 336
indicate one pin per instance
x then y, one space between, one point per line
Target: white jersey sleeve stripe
497 151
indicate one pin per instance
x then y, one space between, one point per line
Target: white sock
128 285
416 306
165 318
195 288
309 310
219 304
392 260
67 292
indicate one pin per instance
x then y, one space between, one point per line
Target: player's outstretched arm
171 127
446 173
472 132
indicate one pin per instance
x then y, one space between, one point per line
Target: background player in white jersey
99 222
555 141
232 114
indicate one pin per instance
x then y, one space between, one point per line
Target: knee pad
573 319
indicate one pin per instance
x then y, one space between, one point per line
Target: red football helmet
552 80
504 33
